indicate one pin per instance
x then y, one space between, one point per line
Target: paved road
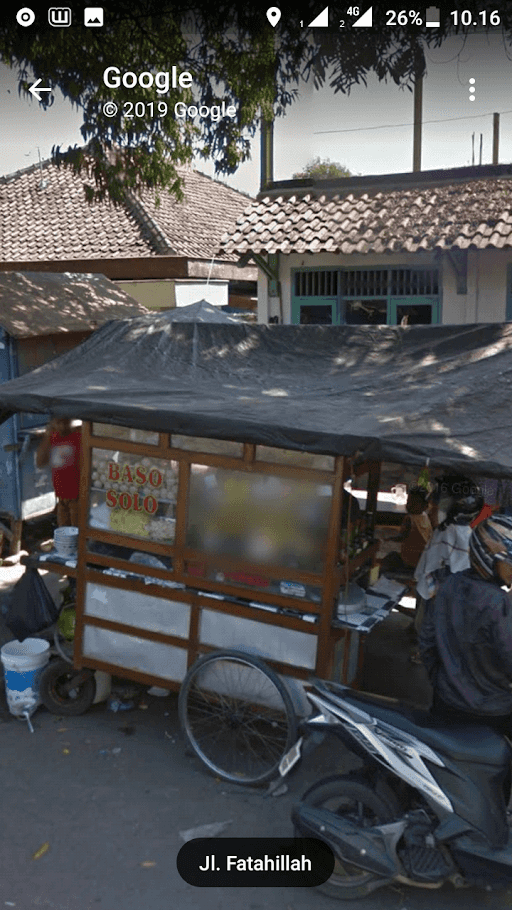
105 814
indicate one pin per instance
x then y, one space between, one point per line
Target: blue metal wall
10 500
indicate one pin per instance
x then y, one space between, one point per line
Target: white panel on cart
134 609
287 645
131 653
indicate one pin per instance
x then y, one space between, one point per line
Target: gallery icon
25 16
59 16
93 16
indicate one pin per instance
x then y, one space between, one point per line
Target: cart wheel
64 690
237 716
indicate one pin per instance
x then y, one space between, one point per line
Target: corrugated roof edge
378 182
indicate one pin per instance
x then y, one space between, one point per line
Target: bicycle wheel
237 716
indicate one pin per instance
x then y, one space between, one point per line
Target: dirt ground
93 806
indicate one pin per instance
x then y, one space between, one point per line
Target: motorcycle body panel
457 773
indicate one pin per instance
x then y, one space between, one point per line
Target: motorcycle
429 806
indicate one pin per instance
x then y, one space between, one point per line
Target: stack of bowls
66 541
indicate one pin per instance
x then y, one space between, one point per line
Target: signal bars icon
322 20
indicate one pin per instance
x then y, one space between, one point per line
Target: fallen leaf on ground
211 830
147 864
65 751
42 850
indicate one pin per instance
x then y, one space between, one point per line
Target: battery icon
433 17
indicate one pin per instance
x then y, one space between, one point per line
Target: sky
368 131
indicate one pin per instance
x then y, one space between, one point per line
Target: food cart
214 465
190 544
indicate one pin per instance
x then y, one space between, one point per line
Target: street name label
273 862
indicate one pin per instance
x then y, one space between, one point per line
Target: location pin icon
273 15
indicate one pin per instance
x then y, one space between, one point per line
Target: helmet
459 499
490 542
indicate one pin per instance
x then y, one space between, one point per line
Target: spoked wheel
67 691
352 797
237 716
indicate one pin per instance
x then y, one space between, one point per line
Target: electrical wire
394 126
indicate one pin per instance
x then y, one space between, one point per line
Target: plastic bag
32 608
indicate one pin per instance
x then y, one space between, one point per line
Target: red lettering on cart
126 476
127 501
113 471
140 475
158 482
150 504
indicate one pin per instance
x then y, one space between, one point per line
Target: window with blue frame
379 296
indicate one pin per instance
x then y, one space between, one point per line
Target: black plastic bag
32 607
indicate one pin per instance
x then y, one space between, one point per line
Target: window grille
367 283
316 283
414 282
364 283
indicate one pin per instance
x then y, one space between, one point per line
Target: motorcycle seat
462 742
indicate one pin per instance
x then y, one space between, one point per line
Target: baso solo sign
132 474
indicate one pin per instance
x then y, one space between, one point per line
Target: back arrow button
34 90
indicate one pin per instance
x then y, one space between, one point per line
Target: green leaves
233 55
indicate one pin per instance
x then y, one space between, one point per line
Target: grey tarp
202 311
400 394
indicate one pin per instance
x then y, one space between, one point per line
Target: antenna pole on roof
495 138
418 118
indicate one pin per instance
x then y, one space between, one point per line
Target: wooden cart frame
200 596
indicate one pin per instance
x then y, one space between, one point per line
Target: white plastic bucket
23 663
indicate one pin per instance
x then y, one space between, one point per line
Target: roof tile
54 221
476 211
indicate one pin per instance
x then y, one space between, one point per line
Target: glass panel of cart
133 495
259 518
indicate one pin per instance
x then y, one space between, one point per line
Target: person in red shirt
61 449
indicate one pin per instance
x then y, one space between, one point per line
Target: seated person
456 501
466 636
415 533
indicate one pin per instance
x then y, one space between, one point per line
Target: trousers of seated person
67 512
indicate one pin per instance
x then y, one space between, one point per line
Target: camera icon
25 16
59 16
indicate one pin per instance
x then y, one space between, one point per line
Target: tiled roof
41 303
44 216
461 208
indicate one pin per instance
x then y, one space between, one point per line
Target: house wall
270 306
163 295
155 295
485 300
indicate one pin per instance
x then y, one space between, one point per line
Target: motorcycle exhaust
372 850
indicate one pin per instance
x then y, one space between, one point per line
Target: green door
416 310
314 311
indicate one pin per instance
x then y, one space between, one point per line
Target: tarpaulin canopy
392 393
201 311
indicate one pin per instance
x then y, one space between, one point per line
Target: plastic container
65 540
103 686
351 601
23 663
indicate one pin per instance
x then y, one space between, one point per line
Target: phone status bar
359 17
